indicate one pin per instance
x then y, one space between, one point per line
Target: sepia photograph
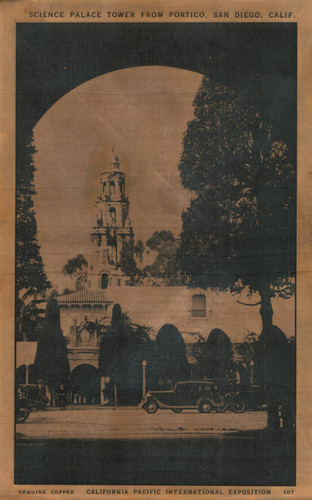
155 254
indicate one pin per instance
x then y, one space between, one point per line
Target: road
106 446
121 423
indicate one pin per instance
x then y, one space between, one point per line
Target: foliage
240 228
244 358
244 352
194 349
169 359
76 269
119 341
30 319
159 238
276 370
216 355
272 360
51 362
124 345
127 262
165 266
31 281
138 250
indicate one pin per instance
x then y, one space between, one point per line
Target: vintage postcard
156 246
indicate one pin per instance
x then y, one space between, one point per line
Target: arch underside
199 47
105 43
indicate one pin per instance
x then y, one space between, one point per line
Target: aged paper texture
155 249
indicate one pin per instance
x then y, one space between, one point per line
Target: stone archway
84 385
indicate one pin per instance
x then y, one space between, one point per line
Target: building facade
84 313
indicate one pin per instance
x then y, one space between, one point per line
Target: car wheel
22 415
176 410
238 406
150 406
204 406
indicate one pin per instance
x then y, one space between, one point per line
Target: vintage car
36 400
203 396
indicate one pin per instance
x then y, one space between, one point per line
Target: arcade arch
85 385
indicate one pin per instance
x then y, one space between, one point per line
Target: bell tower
112 229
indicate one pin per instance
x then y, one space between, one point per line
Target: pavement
134 423
127 446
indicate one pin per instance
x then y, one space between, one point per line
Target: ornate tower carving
113 227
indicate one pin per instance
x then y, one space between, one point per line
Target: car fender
160 403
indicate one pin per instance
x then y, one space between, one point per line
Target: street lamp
252 373
144 365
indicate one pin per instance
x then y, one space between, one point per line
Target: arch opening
84 385
112 216
112 187
104 281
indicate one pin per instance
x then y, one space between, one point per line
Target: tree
165 266
138 250
169 358
124 345
127 262
51 362
239 231
76 268
276 370
244 357
216 355
31 281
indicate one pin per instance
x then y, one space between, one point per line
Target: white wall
155 306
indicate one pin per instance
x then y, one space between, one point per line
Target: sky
143 113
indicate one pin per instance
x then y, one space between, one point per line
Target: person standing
62 396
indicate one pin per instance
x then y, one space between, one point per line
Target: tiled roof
84 296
